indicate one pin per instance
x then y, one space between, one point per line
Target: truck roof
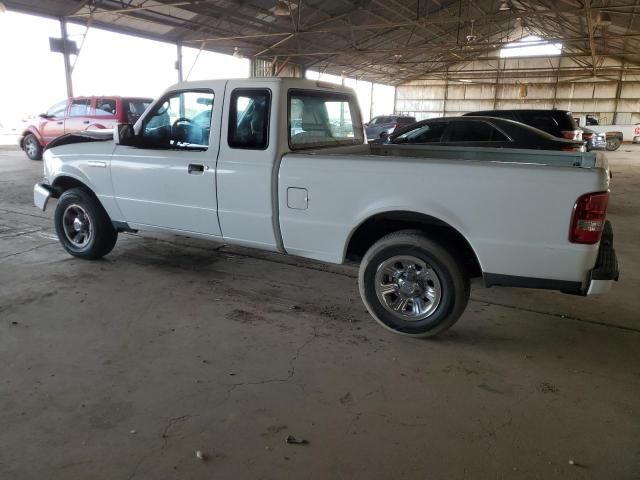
287 82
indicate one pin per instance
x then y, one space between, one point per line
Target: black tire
613 144
452 279
32 147
100 236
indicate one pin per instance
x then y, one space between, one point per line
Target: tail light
572 134
394 125
587 220
586 136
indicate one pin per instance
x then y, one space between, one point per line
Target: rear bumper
606 270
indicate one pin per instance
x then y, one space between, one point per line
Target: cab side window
249 119
181 120
80 108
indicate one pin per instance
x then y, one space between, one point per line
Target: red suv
76 114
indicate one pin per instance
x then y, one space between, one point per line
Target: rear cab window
320 119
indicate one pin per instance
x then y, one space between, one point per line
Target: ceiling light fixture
236 53
471 37
504 6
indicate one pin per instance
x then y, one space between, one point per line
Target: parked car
595 140
418 220
480 132
380 127
77 114
558 123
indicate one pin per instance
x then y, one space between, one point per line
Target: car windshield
323 119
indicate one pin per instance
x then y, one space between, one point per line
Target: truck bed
479 154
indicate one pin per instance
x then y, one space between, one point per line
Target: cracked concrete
196 346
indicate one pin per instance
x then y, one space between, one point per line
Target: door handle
195 168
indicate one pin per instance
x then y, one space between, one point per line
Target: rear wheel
83 227
32 147
613 143
412 285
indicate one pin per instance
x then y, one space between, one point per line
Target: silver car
383 126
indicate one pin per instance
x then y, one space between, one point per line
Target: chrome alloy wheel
408 288
77 225
30 146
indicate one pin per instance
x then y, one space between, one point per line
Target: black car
480 132
559 123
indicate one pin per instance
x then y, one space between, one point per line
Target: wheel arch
31 131
380 224
62 183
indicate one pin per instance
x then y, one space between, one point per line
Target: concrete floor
125 367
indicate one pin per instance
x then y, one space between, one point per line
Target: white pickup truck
283 165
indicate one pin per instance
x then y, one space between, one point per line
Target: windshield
323 119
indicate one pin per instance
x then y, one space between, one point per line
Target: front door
52 125
168 180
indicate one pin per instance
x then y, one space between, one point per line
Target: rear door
78 115
247 172
104 112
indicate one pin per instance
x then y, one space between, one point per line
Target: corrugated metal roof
388 41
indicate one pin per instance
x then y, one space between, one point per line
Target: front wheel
32 147
83 226
412 285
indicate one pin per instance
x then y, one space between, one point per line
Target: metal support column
179 60
371 104
67 60
446 93
497 87
618 92
395 99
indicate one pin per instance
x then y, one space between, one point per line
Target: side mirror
45 116
123 134
366 124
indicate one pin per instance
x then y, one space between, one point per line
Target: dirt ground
125 367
